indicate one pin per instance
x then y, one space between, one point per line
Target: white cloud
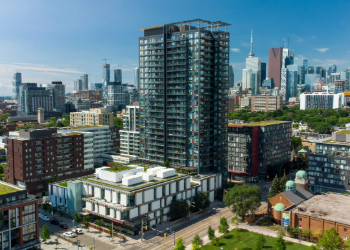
235 50
299 57
34 67
245 44
325 63
299 39
322 50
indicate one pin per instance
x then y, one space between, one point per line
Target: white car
68 234
40 214
44 218
77 231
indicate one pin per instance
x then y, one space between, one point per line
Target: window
300 220
345 230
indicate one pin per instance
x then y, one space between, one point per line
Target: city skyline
63 49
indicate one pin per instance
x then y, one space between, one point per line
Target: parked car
68 234
55 222
77 231
40 214
44 218
64 226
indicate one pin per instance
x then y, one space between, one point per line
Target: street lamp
190 204
173 234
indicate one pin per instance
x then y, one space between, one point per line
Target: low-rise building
126 194
130 134
254 146
91 118
321 100
266 103
19 223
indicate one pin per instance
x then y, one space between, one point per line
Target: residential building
59 91
254 146
275 65
234 101
115 136
19 224
38 154
91 118
78 85
130 134
246 102
118 75
34 97
41 115
106 79
289 84
128 195
251 78
85 81
340 86
17 87
266 103
321 100
184 95
92 95
231 83
102 139
116 94
137 78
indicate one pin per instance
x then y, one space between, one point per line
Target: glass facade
183 98
106 74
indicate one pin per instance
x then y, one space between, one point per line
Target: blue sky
59 40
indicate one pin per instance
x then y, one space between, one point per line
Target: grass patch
335 142
269 224
63 184
344 132
117 168
248 242
4 189
253 124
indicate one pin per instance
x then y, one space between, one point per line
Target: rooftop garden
4 189
347 132
118 168
63 184
88 126
253 124
335 142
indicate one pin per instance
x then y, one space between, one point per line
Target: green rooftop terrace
254 124
335 142
63 184
4 189
347 132
118 168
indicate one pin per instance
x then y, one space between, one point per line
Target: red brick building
115 135
39 154
233 101
275 65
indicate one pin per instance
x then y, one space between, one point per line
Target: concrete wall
148 195
123 199
138 198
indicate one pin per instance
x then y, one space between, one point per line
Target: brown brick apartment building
39 154
19 223
115 136
322 212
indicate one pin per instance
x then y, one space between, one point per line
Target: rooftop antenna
251 53
106 60
283 42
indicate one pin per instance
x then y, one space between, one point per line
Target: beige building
266 103
91 118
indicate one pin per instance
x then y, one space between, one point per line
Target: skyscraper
331 69
275 65
106 78
118 75
231 83
85 81
263 72
78 85
184 75
59 94
17 88
287 57
137 78
252 73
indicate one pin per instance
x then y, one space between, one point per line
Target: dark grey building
329 167
59 90
85 81
184 77
231 77
118 77
263 72
34 97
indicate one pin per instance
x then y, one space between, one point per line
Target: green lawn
117 168
4 189
248 241
63 184
269 224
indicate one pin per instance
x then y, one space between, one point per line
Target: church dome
301 174
290 185
279 207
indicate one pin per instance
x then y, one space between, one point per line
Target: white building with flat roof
321 100
130 134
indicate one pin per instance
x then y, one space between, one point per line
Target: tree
178 209
280 243
53 178
166 164
296 142
195 247
110 229
45 234
275 188
211 233
330 240
201 200
86 221
99 224
77 217
46 206
117 122
235 221
180 244
61 210
197 240
243 199
216 242
312 247
223 228
260 242
306 233
283 182
318 234
295 125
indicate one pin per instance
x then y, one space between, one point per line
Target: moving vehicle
77 231
44 218
64 226
68 234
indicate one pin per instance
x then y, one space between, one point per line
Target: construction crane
106 60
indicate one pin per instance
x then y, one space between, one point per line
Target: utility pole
141 229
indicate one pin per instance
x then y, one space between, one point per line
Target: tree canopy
201 200
178 209
330 240
117 122
243 199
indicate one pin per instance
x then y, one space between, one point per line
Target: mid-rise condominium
184 74
130 134
91 118
321 100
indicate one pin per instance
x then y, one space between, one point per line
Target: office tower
91 118
310 80
268 83
184 73
289 83
34 146
305 64
131 94
340 86
34 97
59 94
130 134
321 100
85 81
16 85
334 76
98 86
231 83
252 73
251 146
137 78
287 57
118 75
92 86
263 72
331 69
116 94
275 65
78 85
19 218
106 79
300 70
